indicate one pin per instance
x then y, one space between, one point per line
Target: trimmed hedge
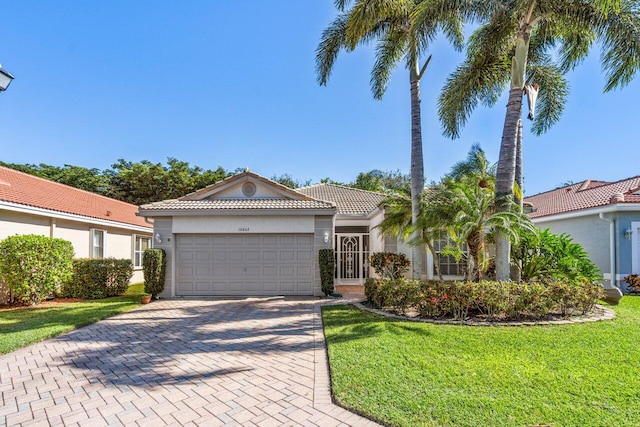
154 262
98 278
34 267
486 299
389 265
327 263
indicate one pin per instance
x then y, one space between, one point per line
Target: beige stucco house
248 235
97 226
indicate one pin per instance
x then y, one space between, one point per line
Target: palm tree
390 23
514 48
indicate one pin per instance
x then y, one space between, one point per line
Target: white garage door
247 264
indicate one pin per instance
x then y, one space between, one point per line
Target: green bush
34 267
327 263
154 263
389 265
544 254
98 278
487 299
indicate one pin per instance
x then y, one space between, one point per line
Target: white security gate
244 264
352 258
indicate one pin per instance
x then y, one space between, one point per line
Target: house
97 226
248 235
604 217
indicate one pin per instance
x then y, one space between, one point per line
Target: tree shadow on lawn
355 324
194 340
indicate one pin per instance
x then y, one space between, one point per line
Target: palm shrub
154 264
34 267
544 254
327 262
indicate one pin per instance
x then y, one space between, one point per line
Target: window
448 264
141 244
97 243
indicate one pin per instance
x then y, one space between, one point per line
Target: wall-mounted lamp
158 238
628 233
326 237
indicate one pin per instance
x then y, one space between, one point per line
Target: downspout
612 293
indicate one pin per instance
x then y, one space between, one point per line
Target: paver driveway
218 362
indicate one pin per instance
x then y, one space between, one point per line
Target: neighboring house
604 217
97 226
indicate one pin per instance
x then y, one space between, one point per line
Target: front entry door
352 258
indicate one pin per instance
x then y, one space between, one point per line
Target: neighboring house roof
584 195
350 201
20 188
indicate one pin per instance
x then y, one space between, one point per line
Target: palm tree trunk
519 178
417 167
436 264
505 177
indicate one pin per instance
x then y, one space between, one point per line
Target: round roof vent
249 189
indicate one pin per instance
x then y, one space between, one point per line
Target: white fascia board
15 207
623 207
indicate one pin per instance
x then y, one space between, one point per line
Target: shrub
389 265
34 267
154 263
544 254
327 263
98 278
495 300
633 282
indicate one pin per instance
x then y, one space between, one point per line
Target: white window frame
92 246
135 248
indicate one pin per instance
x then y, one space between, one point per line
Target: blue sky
233 84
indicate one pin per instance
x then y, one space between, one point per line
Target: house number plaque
243 228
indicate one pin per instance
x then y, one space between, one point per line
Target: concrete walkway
252 362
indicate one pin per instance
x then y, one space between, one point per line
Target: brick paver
258 361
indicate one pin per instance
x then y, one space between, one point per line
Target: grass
416 374
21 327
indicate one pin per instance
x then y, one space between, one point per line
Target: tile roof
350 201
237 204
584 195
24 189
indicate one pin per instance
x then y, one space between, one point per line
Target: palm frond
621 44
331 43
389 52
552 97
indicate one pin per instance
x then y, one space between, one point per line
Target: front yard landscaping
26 325
416 374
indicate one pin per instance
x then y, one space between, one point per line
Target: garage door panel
270 271
203 256
270 255
235 256
244 265
287 255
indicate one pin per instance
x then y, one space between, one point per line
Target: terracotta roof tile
584 195
24 189
350 201
237 204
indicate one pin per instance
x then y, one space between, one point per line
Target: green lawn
418 374
22 327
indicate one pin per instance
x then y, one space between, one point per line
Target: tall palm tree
514 47
390 24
